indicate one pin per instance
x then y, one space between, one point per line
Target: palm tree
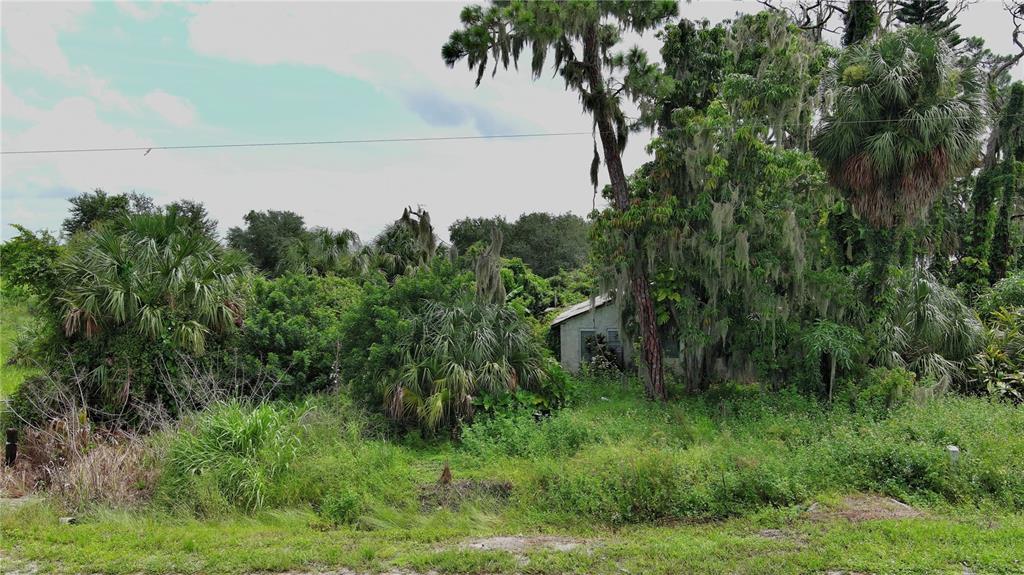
903 121
451 354
928 329
153 275
320 251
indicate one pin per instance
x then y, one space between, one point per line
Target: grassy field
774 541
13 315
735 482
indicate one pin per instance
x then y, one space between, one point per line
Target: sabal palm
155 276
903 120
928 328
451 354
320 251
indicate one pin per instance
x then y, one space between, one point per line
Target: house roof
581 308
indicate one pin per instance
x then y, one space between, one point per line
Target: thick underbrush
611 459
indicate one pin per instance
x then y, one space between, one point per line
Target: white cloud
31 31
173 109
140 10
16 108
395 47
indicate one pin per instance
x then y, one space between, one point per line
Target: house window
615 345
585 336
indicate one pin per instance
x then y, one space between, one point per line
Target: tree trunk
638 281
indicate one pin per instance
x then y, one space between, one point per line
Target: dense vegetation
831 236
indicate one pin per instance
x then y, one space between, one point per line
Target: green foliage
229 458
860 21
527 292
736 229
133 298
320 251
293 331
28 262
451 353
266 237
879 389
998 368
903 120
926 328
88 209
546 243
932 15
341 507
373 326
153 277
1006 293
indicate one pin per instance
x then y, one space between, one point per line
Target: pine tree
932 15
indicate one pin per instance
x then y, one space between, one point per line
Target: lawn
773 541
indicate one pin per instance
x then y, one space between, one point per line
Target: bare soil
864 508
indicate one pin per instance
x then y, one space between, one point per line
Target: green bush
341 507
293 329
1006 293
521 434
230 457
880 388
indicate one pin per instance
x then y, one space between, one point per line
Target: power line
148 149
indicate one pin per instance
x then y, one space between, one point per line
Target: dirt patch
453 495
863 508
520 545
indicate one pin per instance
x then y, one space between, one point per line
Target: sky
120 74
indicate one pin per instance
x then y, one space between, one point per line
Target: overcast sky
130 74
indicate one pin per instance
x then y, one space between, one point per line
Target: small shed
581 323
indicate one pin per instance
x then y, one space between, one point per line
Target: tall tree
266 237
582 37
903 121
90 208
932 15
860 21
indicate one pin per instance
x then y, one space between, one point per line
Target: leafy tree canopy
266 237
545 242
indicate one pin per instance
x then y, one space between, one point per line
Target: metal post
954 454
11 448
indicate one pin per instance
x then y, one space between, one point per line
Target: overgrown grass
14 315
615 459
330 486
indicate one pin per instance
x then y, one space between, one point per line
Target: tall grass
613 459
230 456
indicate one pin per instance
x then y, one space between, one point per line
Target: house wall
600 320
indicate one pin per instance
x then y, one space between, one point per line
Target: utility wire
148 149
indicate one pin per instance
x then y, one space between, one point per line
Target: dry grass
78 466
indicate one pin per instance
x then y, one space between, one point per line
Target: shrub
880 388
29 262
372 327
230 456
521 434
133 296
341 507
293 331
433 350
999 367
1006 293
